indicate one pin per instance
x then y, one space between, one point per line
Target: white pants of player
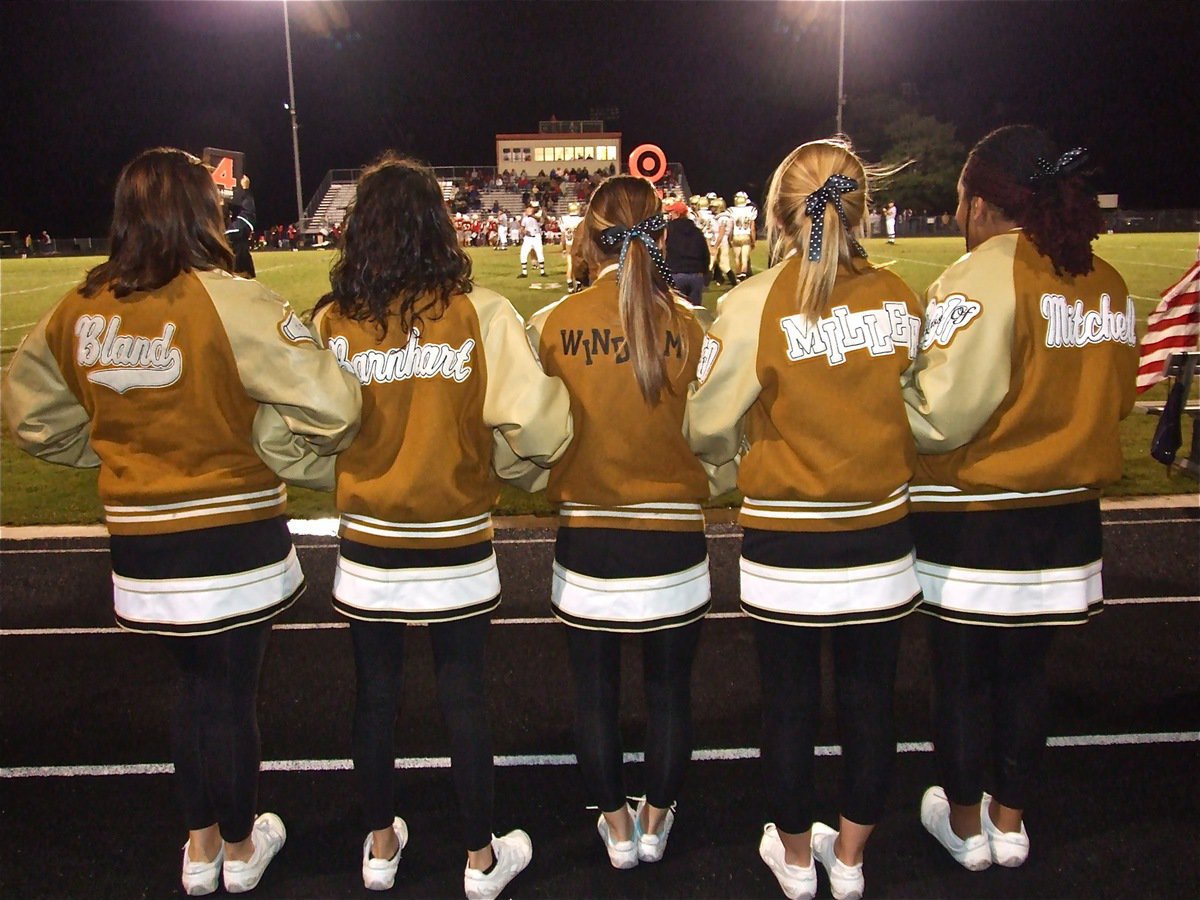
502 236
890 223
534 243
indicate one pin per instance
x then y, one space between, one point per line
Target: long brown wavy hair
399 255
1060 214
166 220
646 303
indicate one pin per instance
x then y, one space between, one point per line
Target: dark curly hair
399 254
1059 213
166 220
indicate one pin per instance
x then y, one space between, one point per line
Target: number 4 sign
226 167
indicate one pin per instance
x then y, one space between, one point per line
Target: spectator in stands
630 555
1030 363
171 428
826 547
415 492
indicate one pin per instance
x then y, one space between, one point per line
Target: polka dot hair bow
643 231
1066 164
814 207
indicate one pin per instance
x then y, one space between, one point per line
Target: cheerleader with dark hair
1027 367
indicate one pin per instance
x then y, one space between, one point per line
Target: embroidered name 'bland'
604 343
878 331
413 360
1070 325
944 317
128 361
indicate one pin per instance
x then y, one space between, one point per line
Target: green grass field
33 492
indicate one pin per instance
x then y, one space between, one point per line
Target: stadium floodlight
290 106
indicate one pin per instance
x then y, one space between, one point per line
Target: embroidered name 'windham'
1070 325
413 360
878 331
128 361
604 343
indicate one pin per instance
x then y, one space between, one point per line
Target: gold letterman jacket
161 391
449 409
813 410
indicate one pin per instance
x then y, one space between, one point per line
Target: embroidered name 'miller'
127 361
878 331
413 360
1070 325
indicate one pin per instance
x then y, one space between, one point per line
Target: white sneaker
380 874
1008 848
797 883
622 854
971 853
269 836
651 847
846 882
200 878
513 852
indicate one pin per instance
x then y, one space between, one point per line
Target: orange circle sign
648 153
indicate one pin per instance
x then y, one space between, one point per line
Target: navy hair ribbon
643 231
814 207
1066 164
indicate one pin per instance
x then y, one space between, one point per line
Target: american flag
1173 327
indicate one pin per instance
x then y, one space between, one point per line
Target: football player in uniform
502 231
567 225
744 234
722 256
531 228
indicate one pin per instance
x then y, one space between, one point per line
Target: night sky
724 88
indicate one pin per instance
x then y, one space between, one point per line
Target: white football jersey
743 219
567 225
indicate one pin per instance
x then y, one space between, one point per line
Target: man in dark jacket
687 254
240 228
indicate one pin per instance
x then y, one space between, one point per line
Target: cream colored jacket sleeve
309 406
45 417
529 411
727 383
963 370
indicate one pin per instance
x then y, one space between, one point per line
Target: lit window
568 153
539 154
589 152
558 152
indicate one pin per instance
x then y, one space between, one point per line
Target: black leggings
667 657
458 660
214 735
989 700
864 658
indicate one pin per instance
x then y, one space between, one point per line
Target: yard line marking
515 620
1191 521
21 325
1140 262
920 262
44 287
529 760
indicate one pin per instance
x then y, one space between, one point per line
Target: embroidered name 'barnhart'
878 331
1071 325
413 360
127 361
604 343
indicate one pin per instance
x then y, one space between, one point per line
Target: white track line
526 620
568 759
44 287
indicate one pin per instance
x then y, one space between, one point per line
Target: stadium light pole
841 101
287 37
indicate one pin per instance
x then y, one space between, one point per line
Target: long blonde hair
789 228
645 301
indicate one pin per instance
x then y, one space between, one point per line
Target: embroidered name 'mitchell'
878 331
413 360
1071 325
126 361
